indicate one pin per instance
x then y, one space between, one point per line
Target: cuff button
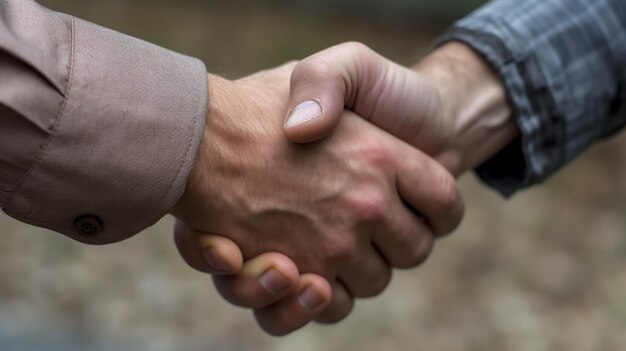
88 225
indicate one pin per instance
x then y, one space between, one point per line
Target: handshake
315 179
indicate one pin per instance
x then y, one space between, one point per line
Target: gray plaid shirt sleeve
563 63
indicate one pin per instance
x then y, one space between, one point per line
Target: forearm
562 65
474 99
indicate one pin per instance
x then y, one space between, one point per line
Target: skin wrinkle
369 112
432 111
352 95
480 105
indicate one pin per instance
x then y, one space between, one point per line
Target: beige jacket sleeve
98 130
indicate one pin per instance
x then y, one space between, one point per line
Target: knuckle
424 250
340 249
368 205
375 285
449 195
230 293
355 46
335 314
313 66
450 201
291 64
377 156
418 255
275 325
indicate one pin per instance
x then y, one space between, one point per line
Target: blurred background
545 270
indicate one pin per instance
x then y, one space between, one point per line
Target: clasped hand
315 180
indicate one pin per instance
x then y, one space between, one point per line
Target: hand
450 104
343 209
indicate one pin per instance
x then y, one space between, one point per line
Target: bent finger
209 253
312 296
262 281
410 241
340 306
367 275
430 190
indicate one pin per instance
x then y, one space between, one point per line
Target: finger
221 253
208 253
312 296
263 280
340 306
409 241
367 275
428 189
324 84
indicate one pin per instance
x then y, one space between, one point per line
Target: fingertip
308 122
257 265
263 281
294 312
187 247
274 271
316 101
222 255
315 293
219 262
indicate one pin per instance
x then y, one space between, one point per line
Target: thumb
324 84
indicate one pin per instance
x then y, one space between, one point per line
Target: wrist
474 104
218 89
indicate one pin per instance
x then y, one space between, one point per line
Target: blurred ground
542 271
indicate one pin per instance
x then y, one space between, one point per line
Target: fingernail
273 281
215 260
310 299
304 112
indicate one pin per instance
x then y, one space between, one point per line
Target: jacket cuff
124 142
